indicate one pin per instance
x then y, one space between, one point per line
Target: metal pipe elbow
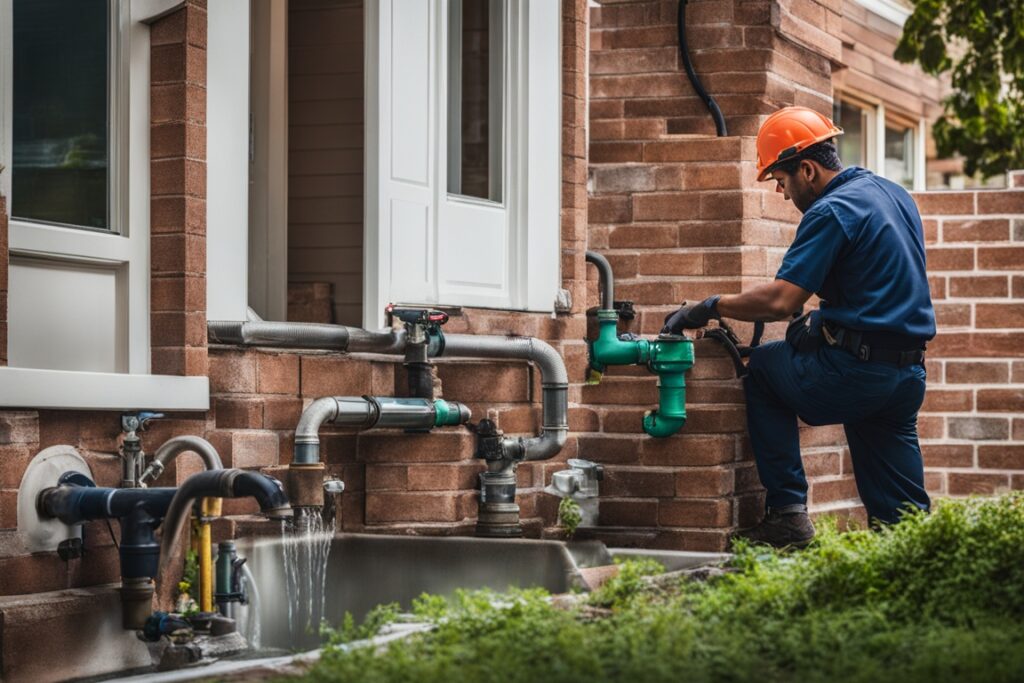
172 448
545 446
307 432
606 281
230 483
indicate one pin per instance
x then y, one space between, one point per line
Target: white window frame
532 165
877 121
125 247
887 9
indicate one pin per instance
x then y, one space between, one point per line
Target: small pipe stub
136 602
305 484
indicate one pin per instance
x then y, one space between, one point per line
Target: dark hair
824 153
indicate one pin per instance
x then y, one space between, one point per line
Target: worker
858 360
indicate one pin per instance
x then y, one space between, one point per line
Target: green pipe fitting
668 356
671 357
608 349
446 414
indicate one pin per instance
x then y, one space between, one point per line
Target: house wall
679 216
325 161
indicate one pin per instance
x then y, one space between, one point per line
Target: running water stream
307 545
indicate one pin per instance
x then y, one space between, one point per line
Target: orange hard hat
788 132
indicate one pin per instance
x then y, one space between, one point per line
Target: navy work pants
876 403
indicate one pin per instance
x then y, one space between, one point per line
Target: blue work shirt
860 247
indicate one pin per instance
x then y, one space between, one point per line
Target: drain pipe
305 474
605 279
499 513
257 332
207 508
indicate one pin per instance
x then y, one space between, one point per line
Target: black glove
691 316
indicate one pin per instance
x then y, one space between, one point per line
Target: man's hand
691 316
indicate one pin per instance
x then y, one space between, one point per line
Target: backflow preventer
668 356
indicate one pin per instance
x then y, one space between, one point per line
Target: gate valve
489 441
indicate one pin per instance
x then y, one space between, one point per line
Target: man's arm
776 300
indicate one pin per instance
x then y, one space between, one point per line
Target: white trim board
891 10
61 389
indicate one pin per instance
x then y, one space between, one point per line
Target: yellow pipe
211 507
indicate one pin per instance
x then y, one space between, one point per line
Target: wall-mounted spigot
133 459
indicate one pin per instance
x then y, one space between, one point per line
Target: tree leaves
981 44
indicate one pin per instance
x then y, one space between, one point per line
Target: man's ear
809 170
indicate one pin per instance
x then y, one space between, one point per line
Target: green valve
667 356
446 414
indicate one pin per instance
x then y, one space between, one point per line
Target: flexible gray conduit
606 281
172 448
554 378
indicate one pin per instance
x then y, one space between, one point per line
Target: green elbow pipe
668 356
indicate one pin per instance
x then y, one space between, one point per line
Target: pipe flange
39 534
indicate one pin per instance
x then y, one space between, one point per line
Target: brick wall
3 280
178 191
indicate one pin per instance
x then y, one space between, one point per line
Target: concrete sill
64 389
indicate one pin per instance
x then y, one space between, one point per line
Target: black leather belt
886 347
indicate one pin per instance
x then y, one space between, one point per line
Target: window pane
899 156
853 143
60 153
475 104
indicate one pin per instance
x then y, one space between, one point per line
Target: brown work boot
783 527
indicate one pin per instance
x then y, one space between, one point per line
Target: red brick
630 512
704 483
238 413
397 447
387 478
447 477
1001 400
277 373
945 203
833 490
979 286
410 507
609 449
19 427
1002 457
999 316
492 382
643 236
948 455
1001 201
1001 258
977 344
615 152
968 372
281 412
688 450
939 401
966 483
13 462
978 230
946 258
334 375
613 209
642 483
246 448
695 513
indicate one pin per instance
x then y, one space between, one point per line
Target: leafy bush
935 598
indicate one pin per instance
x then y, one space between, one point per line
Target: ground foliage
938 597
981 42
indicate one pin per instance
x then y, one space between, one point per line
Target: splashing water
306 540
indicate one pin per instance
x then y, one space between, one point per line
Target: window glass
61 156
475 103
899 156
853 143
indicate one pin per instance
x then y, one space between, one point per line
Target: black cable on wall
716 113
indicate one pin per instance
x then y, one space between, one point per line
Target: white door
463 158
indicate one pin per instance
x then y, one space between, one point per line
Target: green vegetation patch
938 597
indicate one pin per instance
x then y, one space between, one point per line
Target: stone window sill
63 389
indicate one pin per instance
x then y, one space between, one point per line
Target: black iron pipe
684 52
605 279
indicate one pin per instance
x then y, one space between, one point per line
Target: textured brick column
575 25
178 186
4 260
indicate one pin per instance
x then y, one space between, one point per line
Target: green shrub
937 597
